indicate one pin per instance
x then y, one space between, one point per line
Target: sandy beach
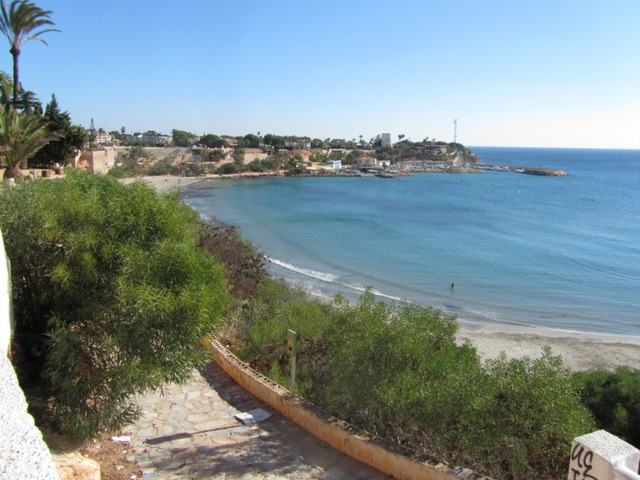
579 350
167 183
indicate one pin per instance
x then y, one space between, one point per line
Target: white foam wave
325 277
378 293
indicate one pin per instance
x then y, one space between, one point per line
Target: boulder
73 466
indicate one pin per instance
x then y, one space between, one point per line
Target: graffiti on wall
581 463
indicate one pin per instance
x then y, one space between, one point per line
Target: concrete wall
251 156
602 456
6 322
23 453
96 160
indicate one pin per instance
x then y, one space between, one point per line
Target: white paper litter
253 416
125 438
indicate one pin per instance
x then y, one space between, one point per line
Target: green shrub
262 341
111 293
244 264
131 164
162 167
614 400
396 371
227 169
255 166
532 413
188 169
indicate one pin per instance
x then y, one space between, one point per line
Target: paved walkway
190 433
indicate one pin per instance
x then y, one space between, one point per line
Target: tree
613 399
238 159
181 138
27 100
213 141
275 141
71 137
111 294
20 23
215 155
317 143
352 157
249 141
21 136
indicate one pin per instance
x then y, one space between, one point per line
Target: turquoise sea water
557 252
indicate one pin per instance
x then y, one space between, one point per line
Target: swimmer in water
453 286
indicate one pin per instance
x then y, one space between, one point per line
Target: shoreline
167 183
579 350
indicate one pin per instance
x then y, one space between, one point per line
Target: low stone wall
335 433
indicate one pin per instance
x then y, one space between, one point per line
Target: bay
551 252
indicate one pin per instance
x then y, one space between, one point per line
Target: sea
500 248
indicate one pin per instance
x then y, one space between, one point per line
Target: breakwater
541 171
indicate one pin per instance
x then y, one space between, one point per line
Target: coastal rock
546 172
76 467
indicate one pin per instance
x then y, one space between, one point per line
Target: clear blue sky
541 73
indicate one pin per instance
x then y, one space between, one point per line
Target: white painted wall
5 296
23 453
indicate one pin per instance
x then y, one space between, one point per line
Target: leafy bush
111 293
244 265
162 167
215 155
275 309
227 169
614 400
531 415
131 164
188 169
129 167
255 166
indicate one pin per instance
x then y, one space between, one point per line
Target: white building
385 139
103 138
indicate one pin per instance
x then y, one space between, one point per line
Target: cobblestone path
189 432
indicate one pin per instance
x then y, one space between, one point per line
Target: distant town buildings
149 139
385 140
364 162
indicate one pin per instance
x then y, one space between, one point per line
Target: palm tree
21 21
21 136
